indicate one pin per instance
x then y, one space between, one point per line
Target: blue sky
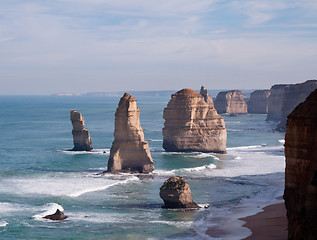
77 46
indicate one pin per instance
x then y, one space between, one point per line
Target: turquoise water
37 175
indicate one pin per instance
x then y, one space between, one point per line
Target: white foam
245 147
281 141
94 151
180 224
48 209
3 223
202 155
155 140
198 170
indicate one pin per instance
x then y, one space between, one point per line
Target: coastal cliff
231 102
191 124
258 102
81 136
293 95
301 170
275 101
129 151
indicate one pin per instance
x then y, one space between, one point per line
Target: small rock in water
57 216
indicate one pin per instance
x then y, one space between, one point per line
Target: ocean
38 174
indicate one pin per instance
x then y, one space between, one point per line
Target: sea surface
38 174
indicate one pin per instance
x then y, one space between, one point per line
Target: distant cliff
275 101
231 102
258 102
301 170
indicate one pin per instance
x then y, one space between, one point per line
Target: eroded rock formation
231 102
129 151
81 136
207 97
175 193
301 170
293 95
57 216
192 125
275 101
258 102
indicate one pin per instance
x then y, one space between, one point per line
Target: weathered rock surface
293 95
275 101
192 125
81 136
207 97
129 151
301 170
57 216
175 193
258 102
231 102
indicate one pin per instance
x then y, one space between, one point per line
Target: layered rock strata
81 136
293 95
176 193
258 102
231 102
192 125
275 101
57 216
207 97
129 151
301 170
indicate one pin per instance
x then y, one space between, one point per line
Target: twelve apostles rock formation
175 193
81 136
258 102
207 97
231 102
192 125
129 151
293 95
301 170
275 101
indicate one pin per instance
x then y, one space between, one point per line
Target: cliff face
275 101
259 101
207 97
293 95
129 151
81 136
192 125
231 102
301 170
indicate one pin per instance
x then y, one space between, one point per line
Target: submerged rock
192 125
258 102
300 193
231 102
81 136
175 193
57 216
129 151
207 97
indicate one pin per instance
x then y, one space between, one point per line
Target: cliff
129 151
258 102
301 170
275 101
293 95
231 102
207 97
81 136
192 125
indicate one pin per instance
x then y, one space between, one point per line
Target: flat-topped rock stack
275 101
191 124
231 102
81 136
301 170
258 102
129 151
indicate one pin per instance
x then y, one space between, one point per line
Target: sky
78 46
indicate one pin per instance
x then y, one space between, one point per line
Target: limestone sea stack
300 193
275 101
176 193
258 102
192 125
293 95
129 151
81 136
207 97
231 102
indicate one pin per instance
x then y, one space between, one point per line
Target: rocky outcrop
57 216
207 97
175 193
258 102
129 151
275 101
293 95
81 136
301 170
192 125
231 102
